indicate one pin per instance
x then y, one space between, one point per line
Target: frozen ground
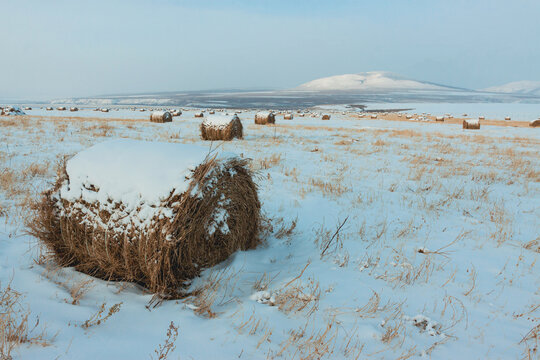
436 255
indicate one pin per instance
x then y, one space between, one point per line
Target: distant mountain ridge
517 87
371 81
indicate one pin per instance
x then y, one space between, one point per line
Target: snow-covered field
383 240
498 111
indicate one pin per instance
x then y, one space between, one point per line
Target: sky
54 49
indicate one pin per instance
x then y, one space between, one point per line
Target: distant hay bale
11 110
61 108
373 116
325 117
120 211
472 124
507 118
73 109
48 108
27 108
301 115
288 116
535 123
219 127
161 117
439 118
481 118
409 116
175 113
142 110
211 112
199 115
265 117
104 110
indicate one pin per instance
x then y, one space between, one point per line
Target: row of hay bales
11 110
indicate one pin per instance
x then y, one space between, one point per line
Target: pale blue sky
56 49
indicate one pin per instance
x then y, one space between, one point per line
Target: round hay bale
105 110
73 109
325 117
211 112
409 116
199 115
471 124
373 116
508 118
27 108
481 118
301 115
219 127
265 117
152 213
535 123
48 108
439 118
288 117
61 108
175 113
161 117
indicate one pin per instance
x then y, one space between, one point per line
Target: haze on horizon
73 48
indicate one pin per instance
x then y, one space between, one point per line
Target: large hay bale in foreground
152 213
161 117
535 123
265 117
221 127
472 124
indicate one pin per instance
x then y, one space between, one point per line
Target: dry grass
14 327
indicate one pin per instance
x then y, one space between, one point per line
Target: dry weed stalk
168 346
100 317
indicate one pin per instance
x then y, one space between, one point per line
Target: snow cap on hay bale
472 124
73 109
61 108
373 116
48 108
104 110
265 117
221 127
199 115
161 117
535 123
152 213
508 118
288 116
325 117
439 118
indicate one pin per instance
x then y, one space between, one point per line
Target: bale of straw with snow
151 213
61 108
288 116
11 110
325 117
199 115
507 118
373 116
221 127
439 118
472 124
161 117
265 117
73 109
535 123
48 108
105 110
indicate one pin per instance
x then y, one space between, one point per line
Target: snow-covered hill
370 81
517 87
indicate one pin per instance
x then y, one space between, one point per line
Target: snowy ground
436 254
